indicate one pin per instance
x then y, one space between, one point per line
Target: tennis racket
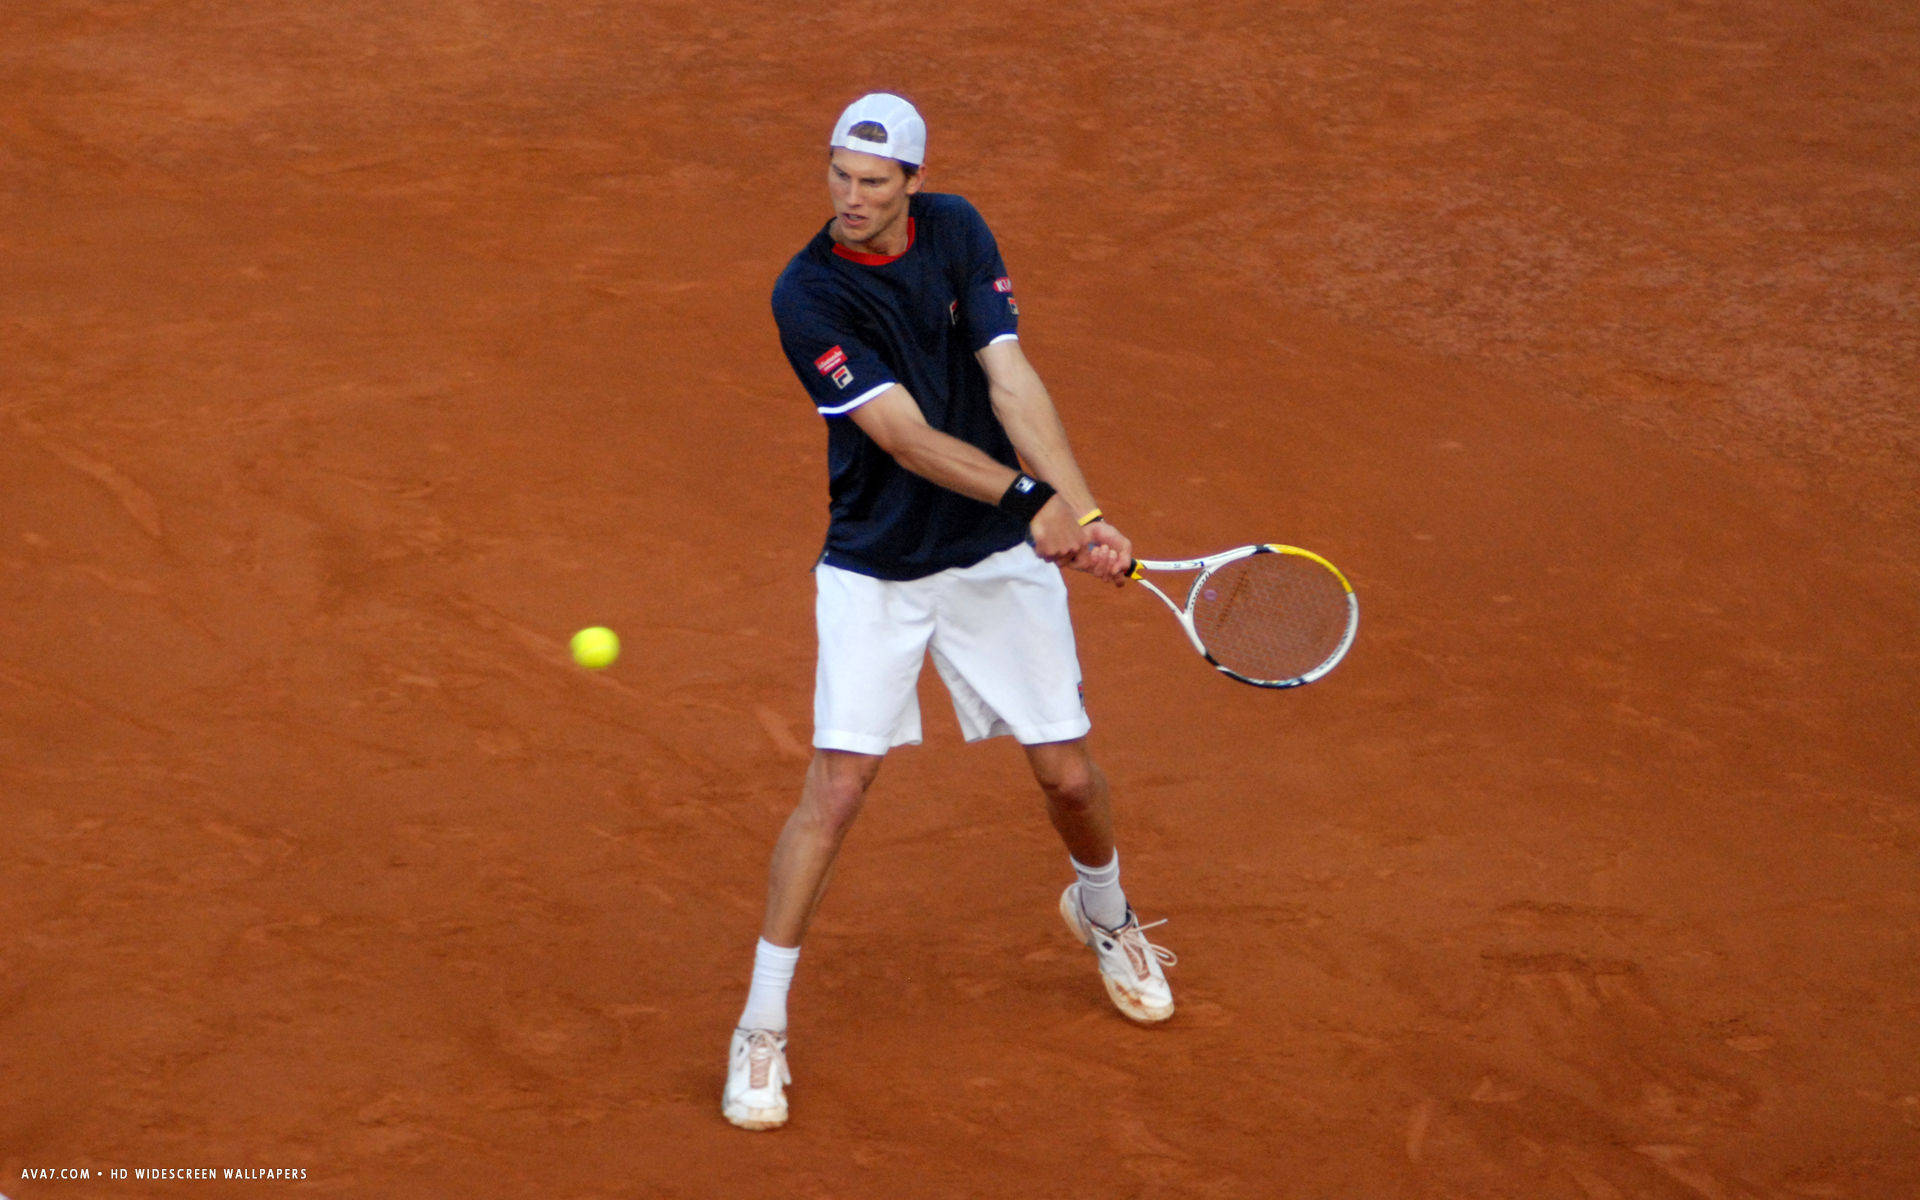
1272 616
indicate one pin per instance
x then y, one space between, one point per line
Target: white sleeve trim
1005 337
857 401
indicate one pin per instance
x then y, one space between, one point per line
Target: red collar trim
875 260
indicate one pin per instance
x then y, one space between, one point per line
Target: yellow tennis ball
596 647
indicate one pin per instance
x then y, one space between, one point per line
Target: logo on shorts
842 377
831 359
953 312
1003 284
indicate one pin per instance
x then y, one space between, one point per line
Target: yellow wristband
1091 517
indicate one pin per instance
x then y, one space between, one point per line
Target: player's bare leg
836 784
1093 906
835 787
1078 803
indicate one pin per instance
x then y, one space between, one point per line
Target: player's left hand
1055 535
1107 554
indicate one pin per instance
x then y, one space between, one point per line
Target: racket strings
1271 617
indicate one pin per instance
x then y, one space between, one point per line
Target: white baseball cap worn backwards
901 134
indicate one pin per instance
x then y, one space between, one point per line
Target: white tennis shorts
999 635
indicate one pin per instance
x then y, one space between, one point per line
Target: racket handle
1134 570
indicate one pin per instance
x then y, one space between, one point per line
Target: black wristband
1026 496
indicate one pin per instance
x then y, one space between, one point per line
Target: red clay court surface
352 355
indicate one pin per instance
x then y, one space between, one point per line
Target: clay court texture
353 355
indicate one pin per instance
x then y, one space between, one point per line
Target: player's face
869 200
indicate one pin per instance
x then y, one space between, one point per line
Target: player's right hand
1057 537
1108 554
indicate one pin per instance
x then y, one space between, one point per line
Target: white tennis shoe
757 1075
1129 963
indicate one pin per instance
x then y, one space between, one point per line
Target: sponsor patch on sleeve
842 377
1003 284
835 357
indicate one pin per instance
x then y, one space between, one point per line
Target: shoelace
1160 952
761 1046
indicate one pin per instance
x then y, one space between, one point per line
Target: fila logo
1023 485
1003 284
831 359
953 312
842 377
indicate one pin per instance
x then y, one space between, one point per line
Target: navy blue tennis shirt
855 324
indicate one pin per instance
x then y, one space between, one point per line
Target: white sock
1100 894
767 998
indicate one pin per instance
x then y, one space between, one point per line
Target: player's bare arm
1026 412
895 423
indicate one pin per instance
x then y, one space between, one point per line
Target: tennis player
899 318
